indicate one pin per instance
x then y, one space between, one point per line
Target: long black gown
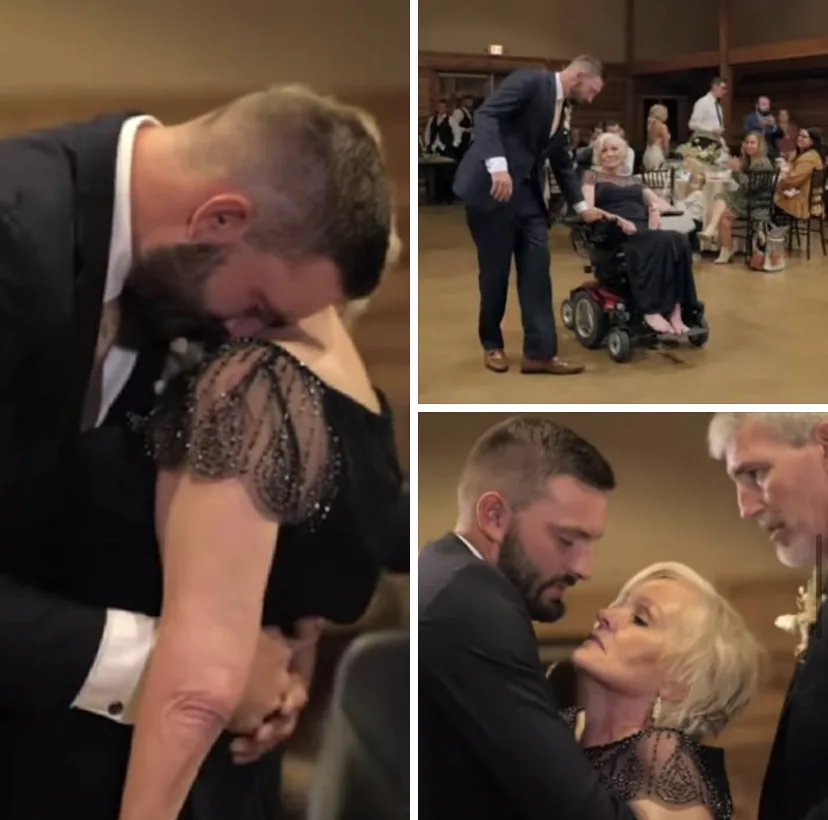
660 262
322 462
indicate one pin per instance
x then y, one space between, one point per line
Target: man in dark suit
502 181
779 463
532 500
233 221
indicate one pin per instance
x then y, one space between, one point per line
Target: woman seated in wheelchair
732 204
659 263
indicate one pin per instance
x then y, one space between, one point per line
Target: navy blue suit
515 122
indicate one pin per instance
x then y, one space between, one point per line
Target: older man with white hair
779 463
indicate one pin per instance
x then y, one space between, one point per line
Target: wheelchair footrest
673 337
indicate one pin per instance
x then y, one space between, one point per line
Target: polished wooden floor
766 340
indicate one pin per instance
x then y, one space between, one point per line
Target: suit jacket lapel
93 151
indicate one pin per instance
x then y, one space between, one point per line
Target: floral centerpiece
700 158
808 602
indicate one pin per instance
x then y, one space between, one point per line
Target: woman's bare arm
258 454
217 551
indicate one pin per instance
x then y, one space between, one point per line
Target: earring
656 713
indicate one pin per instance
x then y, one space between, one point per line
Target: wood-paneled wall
608 106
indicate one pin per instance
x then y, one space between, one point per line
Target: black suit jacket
796 782
515 122
56 203
492 745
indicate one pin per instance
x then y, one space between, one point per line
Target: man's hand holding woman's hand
275 694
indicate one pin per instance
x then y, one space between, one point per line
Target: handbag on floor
768 251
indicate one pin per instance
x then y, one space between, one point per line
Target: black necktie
719 113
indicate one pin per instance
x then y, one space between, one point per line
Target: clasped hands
275 694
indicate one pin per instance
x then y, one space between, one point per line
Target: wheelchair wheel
700 339
578 239
619 345
589 320
567 314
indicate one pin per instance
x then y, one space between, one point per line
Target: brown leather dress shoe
496 361
554 367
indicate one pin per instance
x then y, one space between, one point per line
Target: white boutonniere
184 355
567 118
808 601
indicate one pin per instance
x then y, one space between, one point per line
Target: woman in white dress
658 139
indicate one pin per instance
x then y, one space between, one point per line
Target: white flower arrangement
808 602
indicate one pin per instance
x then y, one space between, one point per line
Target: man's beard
516 566
164 294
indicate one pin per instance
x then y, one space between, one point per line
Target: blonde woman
658 138
732 204
668 665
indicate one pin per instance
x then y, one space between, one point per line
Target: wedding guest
786 143
668 665
732 203
779 465
761 119
793 189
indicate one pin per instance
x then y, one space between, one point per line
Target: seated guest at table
693 205
659 262
668 665
732 204
793 189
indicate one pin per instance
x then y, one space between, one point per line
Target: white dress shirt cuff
127 642
580 207
496 165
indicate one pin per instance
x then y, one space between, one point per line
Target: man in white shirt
209 226
707 120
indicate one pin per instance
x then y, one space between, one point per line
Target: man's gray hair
796 429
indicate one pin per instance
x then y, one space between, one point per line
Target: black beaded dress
315 459
665 766
660 262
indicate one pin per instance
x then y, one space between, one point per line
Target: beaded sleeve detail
255 413
664 765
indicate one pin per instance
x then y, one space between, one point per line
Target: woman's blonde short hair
659 112
603 139
715 657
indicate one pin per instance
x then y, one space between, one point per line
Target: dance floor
766 340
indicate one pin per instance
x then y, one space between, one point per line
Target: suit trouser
517 228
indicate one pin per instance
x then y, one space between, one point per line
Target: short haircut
717 81
518 457
315 174
796 429
591 65
715 656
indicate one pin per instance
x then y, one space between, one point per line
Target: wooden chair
661 182
760 186
815 221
